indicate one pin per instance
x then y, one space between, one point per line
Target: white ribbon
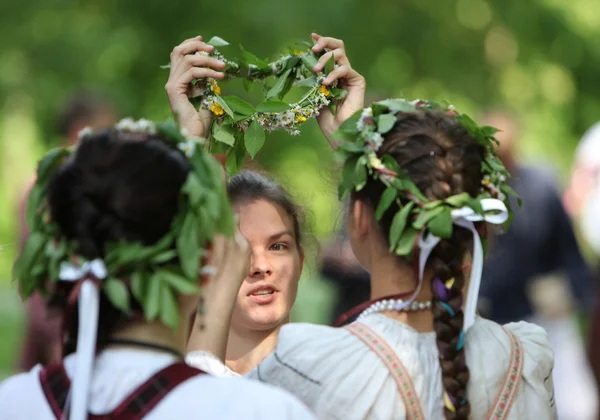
495 212
87 331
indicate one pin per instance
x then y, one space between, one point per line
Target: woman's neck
245 350
392 276
154 333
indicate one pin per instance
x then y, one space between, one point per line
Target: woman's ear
361 218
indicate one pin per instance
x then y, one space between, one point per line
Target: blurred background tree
539 59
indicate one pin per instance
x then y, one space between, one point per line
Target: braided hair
442 159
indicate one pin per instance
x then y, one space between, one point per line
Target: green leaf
248 85
216 41
397 105
34 246
34 200
223 134
169 310
425 215
309 60
236 156
239 105
276 90
351 147
399 223
117 293
475 204
164 257
139 285
187 247
306 82
347 182
385 123
224 105
52 159
152 299
337 93
458 200
407 241
177 282
360 173
329 65
292 62
387 198
254 138
193 188
272 106
441 225
433 204
250 58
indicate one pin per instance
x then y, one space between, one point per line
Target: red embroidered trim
394 365
508 391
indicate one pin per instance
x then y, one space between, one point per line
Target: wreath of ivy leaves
153 274
416 213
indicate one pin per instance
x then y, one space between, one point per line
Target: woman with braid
422 181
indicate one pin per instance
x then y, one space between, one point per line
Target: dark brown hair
442 159
116 187
248 186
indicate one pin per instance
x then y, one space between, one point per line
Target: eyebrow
280 234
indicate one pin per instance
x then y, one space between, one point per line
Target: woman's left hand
348 78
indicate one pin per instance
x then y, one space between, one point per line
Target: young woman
269 218
117 240
417 350
271 223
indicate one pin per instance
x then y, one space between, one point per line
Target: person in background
41 344
541 242
582 201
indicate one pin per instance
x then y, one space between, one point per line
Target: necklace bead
394 304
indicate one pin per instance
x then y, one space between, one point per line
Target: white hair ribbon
495 212
87 331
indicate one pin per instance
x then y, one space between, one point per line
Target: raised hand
348 79
188 63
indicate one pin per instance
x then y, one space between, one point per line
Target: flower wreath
421 223
239 125
154 273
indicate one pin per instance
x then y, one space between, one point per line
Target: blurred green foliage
538 58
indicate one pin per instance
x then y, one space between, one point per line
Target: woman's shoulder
493 350
253 400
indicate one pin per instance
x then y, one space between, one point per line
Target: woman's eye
278 247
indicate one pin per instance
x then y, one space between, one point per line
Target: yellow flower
324 91
486 182
297 52
215 87
216 109
300 118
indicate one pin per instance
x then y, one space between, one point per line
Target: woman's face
269 290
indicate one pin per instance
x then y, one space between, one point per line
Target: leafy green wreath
153 274
239 127
362 135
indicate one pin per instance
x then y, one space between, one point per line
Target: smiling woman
271 222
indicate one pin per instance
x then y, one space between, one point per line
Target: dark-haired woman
119 238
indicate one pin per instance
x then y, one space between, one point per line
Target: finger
338 56
190 47
337 74
199 73
198 60
327 43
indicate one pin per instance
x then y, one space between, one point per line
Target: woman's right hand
231 261
186 66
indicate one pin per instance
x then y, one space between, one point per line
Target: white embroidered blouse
340 377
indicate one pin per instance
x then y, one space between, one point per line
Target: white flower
501 196
377 140
188 148
415 102
366 113
146 126
85 132
126 124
